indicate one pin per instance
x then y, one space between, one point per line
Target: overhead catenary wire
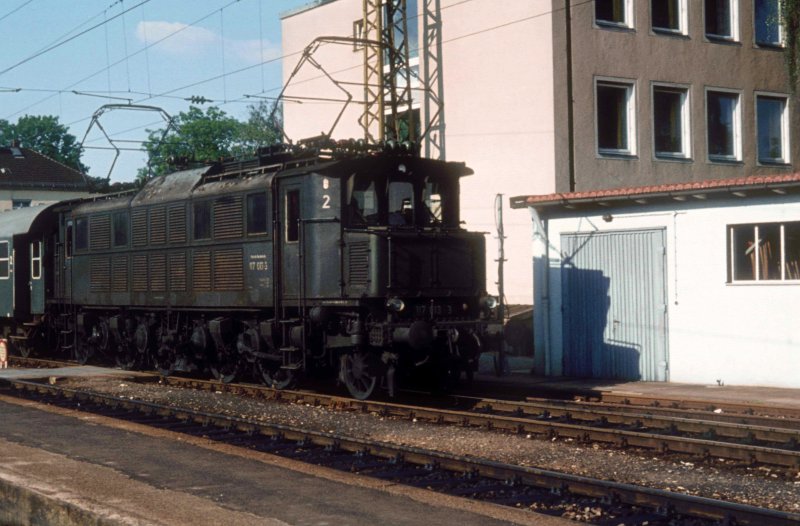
170 93
70 39
14 10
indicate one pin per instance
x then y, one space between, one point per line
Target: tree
790 18
263 126
195 136
44 134
202 137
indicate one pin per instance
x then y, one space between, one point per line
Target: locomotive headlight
489 302
395 304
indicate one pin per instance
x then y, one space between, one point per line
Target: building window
36 260
668 16
723 122
615 103
5 260
764 252
671 122
773 129
720 18
613 13
20 203
767 23
358 34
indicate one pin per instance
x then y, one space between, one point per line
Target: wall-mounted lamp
608 218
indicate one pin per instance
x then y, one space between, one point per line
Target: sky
69 58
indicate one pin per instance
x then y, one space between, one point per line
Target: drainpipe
570 109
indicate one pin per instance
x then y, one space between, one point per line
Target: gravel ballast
754 485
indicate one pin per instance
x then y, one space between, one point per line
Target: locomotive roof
19 221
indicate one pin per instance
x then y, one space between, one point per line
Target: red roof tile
23 167
708 186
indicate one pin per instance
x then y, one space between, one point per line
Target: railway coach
329 258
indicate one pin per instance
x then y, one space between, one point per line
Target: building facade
28 178
692 282
543 96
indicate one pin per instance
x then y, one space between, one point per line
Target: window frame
247 198
769 45
627 24
683 21
292 227
632 144
757 279
736 157
785 130
81 230
686 121
733 18
115 217
208 204
7 260
36 259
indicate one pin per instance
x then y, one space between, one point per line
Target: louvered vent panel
228 270
100 274
359 263
177 224
139 227
140 273
158 272
228 218
119 274
177 272
100 232
201 268
158 225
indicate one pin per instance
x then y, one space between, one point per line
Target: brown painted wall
646 57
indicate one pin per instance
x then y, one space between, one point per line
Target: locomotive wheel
126 356
225 367
271 374
22 347
97 342
357 374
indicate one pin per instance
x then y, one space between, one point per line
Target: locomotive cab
406 292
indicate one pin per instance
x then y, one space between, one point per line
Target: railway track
741 441
546 491
705 434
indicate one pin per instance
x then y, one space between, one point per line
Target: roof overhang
718 189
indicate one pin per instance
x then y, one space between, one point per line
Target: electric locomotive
323 258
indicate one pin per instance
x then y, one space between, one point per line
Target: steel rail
596 431
541 419
639 419
555 482
698 404
710 413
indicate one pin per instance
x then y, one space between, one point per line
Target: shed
692 282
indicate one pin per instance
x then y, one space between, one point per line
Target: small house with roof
28 178
693 282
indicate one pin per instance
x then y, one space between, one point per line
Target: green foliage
790 19
204 137
44 134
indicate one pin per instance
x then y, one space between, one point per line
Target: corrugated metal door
614 305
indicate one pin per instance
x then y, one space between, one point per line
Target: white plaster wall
37 197
497 70
740 334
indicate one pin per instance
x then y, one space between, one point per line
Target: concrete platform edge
21 506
